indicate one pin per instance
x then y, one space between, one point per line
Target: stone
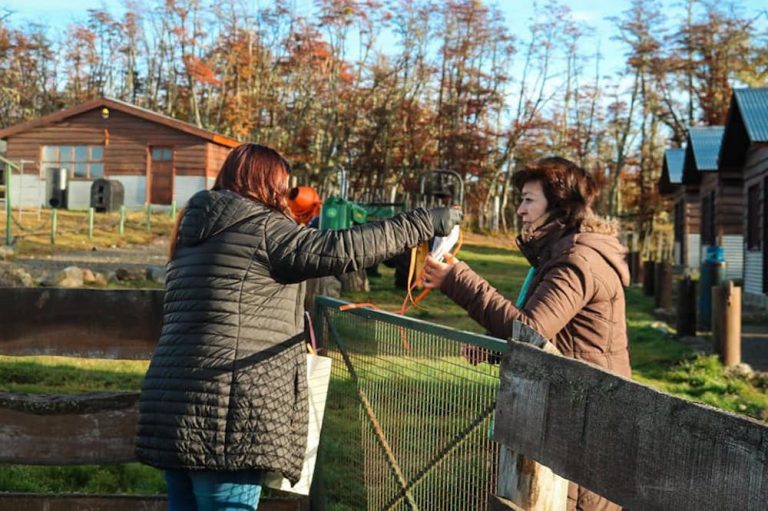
69 277
15 276
130 274
88 276
155 274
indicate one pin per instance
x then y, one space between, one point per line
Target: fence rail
641 448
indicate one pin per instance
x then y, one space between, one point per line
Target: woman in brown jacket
575 297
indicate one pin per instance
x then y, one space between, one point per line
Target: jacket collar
536 245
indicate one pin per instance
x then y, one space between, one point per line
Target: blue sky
592 14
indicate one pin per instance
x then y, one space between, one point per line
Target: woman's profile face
533 204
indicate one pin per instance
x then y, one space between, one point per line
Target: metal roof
673 159
705 142
753 105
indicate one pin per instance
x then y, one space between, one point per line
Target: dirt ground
101 260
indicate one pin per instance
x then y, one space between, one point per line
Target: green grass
67 375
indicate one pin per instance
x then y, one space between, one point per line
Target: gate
409 411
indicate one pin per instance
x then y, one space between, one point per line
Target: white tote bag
318 378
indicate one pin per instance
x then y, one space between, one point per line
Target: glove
444 219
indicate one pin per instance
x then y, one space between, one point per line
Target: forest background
392 89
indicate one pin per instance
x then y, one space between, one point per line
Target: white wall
79 194
135 188
185 187
27 191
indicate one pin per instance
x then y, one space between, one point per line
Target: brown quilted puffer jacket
576 299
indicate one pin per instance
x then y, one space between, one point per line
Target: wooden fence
638 447
88 428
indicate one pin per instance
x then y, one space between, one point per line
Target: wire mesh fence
409 412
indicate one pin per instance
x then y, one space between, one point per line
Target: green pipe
149 217
173 209
90 223
121 228
54 218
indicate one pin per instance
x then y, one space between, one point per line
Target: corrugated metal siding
753 272
753 104
694 251
733 247
705 142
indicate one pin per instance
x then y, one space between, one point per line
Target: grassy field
657 359
32 230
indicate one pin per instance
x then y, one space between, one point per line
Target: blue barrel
712 274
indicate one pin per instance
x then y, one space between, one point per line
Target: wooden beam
628 442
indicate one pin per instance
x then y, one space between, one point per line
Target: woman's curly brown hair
569 189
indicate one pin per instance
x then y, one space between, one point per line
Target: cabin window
81 161
753 217
162 154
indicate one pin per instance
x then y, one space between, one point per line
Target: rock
15 276
740 370
6 252
70 277
132 274
88 276
100 280
155 274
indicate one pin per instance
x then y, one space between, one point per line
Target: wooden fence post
663 285
686 307
726 323
523 483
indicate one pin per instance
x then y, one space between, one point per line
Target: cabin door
160 175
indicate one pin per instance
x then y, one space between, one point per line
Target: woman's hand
435 271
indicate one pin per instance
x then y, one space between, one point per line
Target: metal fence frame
424 412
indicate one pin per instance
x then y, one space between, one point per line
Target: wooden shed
686 209
157 159
720 195
745 150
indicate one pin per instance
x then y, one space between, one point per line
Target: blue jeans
206 490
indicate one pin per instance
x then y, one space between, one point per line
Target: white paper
318 378
442 245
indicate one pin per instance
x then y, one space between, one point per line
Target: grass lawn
32 230
657 359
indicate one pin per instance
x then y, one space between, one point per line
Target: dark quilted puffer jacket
226 387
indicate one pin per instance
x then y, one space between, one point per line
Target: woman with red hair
225 395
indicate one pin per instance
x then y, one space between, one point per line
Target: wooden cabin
157 159
686 210
745 150
720 196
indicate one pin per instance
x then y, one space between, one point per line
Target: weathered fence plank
636 446
97 427
77 502
96 323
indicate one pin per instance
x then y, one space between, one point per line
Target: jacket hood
602 236
210 212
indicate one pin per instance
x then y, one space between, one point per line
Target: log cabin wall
755 189
127 142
